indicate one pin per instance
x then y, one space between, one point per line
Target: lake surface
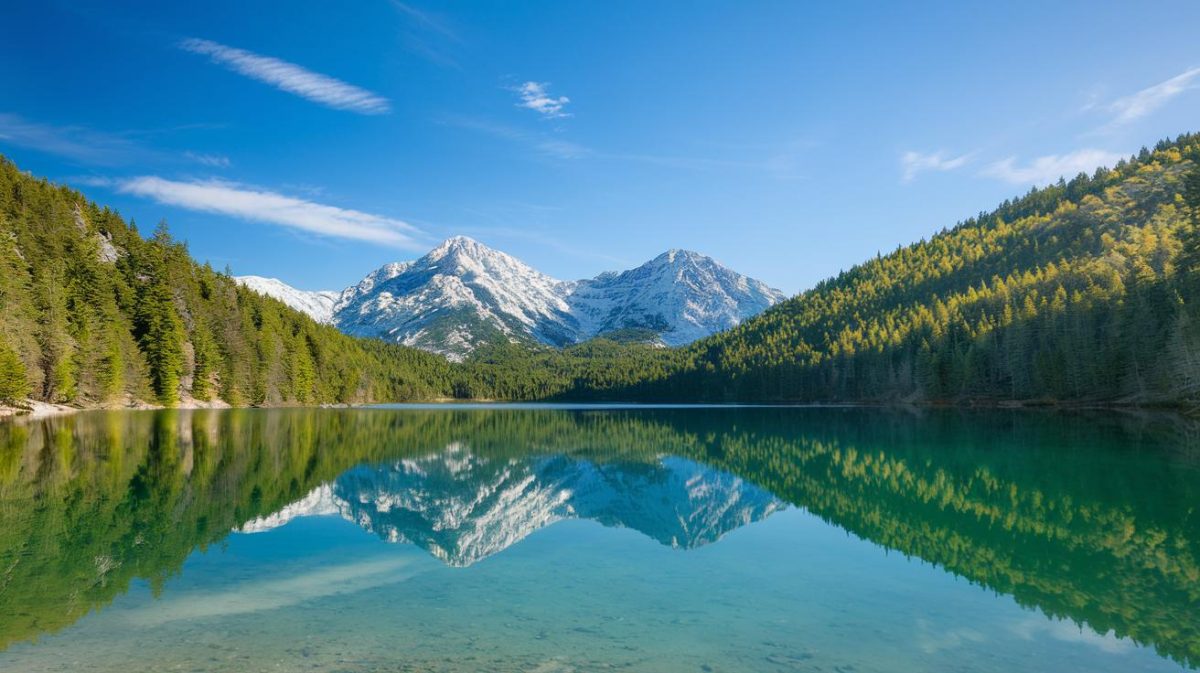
599 539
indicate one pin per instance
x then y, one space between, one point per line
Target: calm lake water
589 539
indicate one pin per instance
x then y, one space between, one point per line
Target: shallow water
582 539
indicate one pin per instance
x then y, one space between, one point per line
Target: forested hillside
92 314
1087 290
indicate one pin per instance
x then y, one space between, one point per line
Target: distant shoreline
36 410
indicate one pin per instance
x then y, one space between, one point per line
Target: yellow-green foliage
1086 290
153 325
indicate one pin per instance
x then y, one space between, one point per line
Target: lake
556 539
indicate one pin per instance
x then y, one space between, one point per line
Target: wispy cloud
77 143
544 144
291 78
913 164
425 19
1047 169
535 97
210 160
563 149
1148 100
781 166
428 35
260 205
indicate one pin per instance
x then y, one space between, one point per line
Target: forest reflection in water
1085 518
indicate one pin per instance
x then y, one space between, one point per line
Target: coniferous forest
94 314
1086 291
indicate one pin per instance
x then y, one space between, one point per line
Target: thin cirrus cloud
543 144
210 160
291 78
913 164
77 143
428 35
534 96
1047 169
1142 103
260 205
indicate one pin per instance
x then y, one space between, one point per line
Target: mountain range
463 294
462 508
1085 291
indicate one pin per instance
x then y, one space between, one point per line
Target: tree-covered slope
91 314
1086 290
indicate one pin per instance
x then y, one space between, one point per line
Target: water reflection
1087 519
462 507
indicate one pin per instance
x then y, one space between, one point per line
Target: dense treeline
599 369
1083 291
1087 290
92 313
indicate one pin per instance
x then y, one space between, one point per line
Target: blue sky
314 141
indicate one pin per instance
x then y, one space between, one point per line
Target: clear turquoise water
595 540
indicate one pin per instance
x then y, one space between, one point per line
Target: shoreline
36 410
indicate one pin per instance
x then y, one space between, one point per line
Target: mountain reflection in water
462 508
1091 519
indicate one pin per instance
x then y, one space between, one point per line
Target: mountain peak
458 241
461 245
465 255
679 255
463 294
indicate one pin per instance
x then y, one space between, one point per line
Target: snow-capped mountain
318 305
464 294
681 295
458 296
462 508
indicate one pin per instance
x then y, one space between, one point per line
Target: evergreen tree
14 386
1189 258
206 358
53 334
161 340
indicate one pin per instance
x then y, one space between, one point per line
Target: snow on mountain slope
458 296
366 285
680 294
464 294
318 305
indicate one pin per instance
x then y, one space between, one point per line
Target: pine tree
1189 258
206 357
14 385
111 375
161 340
57 345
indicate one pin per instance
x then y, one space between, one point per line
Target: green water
599 539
